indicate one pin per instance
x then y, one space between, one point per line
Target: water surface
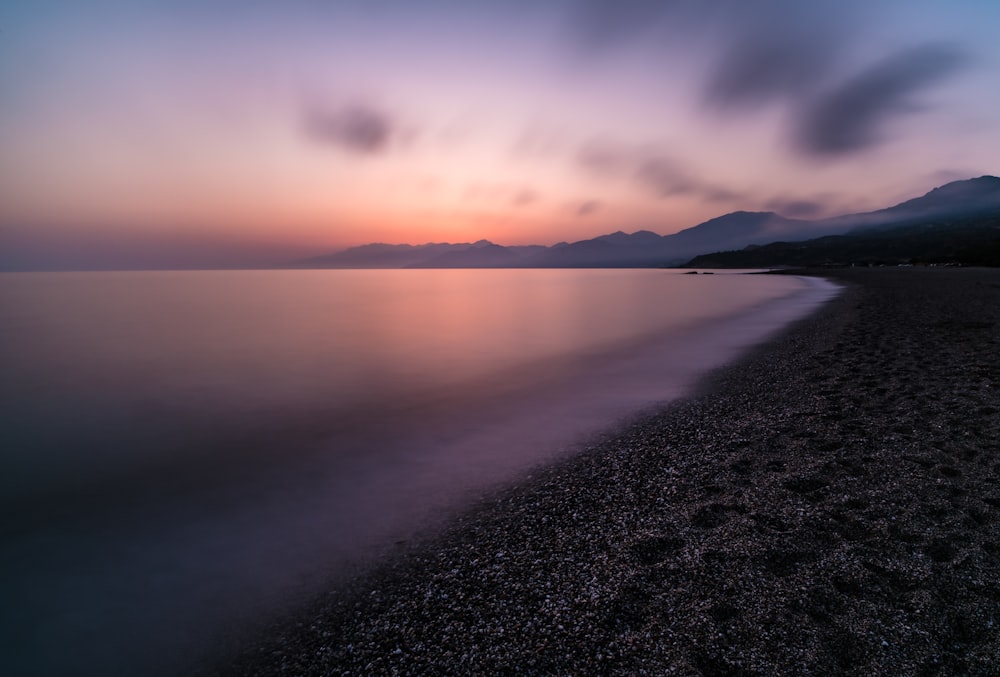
188 452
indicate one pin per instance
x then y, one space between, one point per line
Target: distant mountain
971 197
958 198
379 255
972 240
739 229
482 254
951 203
647 249
641 249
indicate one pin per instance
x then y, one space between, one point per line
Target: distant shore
830 504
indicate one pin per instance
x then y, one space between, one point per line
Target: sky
200 133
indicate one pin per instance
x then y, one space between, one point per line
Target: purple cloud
762 52
651 169
762 67
356 129
602 157
851 116
664 177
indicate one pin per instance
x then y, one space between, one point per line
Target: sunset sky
188 133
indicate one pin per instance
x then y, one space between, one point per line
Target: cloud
524 197
767 50
789 53
587 208
664 177
539 141
501 193
851 116
761 67
650 168
606 158
356 128
756 47
602 24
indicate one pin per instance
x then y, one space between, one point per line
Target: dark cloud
587 208
357 129
771 52
852 115
762 67
772 49
756 48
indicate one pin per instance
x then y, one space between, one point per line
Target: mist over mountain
971 197
957 202
970 241
958 223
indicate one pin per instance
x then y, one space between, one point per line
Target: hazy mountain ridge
482 254
970 197
950 203
380 255
972 240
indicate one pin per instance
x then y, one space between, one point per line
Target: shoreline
827 503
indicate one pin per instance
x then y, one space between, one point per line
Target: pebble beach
828 504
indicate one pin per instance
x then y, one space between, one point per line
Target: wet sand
830 504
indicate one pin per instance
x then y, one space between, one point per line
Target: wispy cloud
760 68
778 52
501 193
606 158
651 169
539 141
768 50
853 114
665 177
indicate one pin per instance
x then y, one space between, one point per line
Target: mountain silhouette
380 255
970 197
968 240
482 254
955 202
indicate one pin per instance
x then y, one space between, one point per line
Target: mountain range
960 203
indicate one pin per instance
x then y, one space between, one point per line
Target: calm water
186 453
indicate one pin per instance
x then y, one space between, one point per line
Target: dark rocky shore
828 505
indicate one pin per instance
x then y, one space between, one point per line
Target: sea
188 455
